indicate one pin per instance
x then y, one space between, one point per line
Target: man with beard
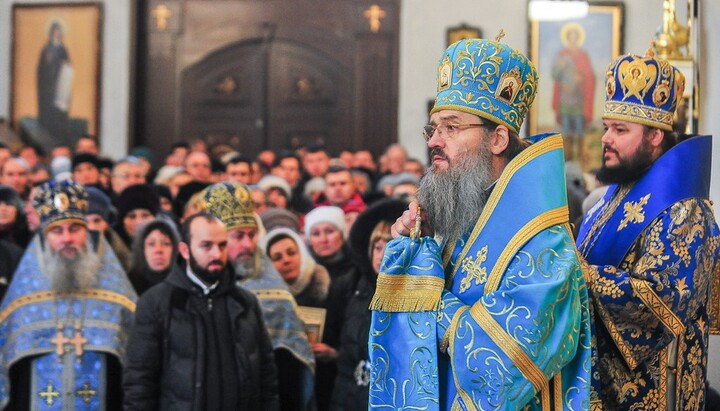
652 244
199 342
232 203
66 314
512 326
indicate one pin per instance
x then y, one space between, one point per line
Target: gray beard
67 275
245 269
454 198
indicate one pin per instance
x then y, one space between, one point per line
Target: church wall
115 73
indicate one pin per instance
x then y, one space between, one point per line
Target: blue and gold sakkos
653 247
513 326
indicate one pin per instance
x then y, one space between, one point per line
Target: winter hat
138 196
326 214
99 203
280 217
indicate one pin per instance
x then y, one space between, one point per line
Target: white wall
422 39
116 57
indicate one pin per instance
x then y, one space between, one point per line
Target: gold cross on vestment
374 14
49 394
161 14
86 393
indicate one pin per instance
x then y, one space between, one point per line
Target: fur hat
135 197
326 214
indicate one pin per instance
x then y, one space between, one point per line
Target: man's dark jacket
165 367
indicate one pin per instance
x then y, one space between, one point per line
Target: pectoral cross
161 14
49 394
86 393
374 14
60 340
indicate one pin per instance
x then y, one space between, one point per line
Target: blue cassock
653 247
513 324
69 336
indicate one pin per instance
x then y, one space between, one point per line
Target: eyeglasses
447 131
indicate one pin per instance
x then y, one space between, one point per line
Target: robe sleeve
663 279
507 345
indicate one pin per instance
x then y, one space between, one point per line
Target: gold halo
579 29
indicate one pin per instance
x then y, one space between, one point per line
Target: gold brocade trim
275 294
407 293
511 348
451 351
640 114
42 296
545 398
546 145
547 219
714 311
557 383
658 307
662 384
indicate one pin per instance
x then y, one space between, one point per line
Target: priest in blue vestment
511 325
652 246
65 317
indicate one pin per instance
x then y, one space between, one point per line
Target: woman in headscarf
325 231
154 254
308 281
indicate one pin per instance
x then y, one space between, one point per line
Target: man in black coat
198 342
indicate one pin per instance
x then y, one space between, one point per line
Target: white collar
205 289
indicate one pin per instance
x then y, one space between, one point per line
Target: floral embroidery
634 212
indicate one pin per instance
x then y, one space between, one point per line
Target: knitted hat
268 182
84 158
326 214
9 196
488 79
280 217
60 202
60 165
99 203
138 196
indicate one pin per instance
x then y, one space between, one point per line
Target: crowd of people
210 280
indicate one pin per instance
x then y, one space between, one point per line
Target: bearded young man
66 314
199 342
512 324
652 244
232 204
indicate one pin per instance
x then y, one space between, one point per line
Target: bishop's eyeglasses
447 131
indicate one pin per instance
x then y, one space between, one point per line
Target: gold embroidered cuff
407 293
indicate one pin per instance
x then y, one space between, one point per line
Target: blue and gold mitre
488 79
231 203
60 202
643 90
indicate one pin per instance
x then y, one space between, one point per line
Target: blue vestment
513 326
68 336
653 246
